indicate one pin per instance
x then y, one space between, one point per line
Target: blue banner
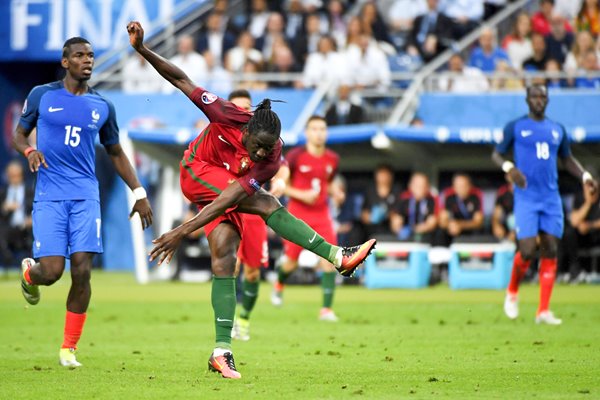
36 29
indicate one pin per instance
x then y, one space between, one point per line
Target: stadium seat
480 265
398 265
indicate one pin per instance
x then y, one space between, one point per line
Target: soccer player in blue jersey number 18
68 115
537 142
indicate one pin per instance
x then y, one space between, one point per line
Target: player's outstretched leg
511 302
547 275
30 291
345 259
241 325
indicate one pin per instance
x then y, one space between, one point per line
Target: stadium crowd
355 43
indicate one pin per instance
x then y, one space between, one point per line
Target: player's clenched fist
35 159
517 177
136 34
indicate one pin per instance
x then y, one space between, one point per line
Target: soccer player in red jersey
222 172
254 247
312 169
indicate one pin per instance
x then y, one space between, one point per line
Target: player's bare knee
527 252
51 275
252 274
81 275
223 266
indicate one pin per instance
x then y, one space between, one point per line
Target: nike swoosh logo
223 140
223 320
526 133
51 109
313 238
249 294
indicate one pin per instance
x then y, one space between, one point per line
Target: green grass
152 342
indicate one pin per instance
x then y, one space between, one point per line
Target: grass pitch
152 342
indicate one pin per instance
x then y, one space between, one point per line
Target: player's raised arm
164 67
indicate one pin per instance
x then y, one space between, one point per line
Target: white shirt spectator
138 76
322 67
368 68
456 9
472 80
567 8
194 66
215 44
518 51
403 12
236 58
258 24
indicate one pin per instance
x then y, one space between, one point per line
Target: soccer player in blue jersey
537 142
69 115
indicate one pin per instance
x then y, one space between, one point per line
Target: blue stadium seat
398 265
480 265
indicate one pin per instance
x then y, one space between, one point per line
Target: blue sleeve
109 132
564 148
508 138
30 113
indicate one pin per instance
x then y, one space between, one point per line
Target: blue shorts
61 228
531 218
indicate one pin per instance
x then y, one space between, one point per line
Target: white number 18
542 150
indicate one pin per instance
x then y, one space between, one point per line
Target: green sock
296 231
282 275
249 296
328 285
223 303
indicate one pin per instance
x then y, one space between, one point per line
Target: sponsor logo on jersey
95 116
24 107
223 140
526 133
208 98
254 183
53 109
304 168
38 244
555 136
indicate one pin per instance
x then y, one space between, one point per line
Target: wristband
139 193
507 166
28 151
586 176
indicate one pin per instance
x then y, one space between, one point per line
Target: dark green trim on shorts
200 181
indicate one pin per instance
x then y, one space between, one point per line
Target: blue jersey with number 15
67 126
537 146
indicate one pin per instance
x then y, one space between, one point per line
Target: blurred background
416 93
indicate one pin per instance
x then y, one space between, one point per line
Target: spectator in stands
343 111
540 22
431 33
465 15
559 41
463 79
505 82
191 62
414 216
282 62
462 213
584 41
487 54
537 62
274 33
491 7
553 81
401 17
354 30
237 56
16 202
588 17
251 67
503 219
585 218
379 201
372 22
215 38
337 22
258 18
219 79
567 8
139 76
518 44
368 66
326 64
307 43
589 65
294 19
